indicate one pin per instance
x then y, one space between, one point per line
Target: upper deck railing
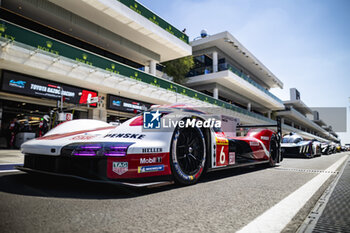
37 41
140 9
226 66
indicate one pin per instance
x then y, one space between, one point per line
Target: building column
282 120
216 93
215 62
99 113
269 114
147 69
152 67
293 124
249 107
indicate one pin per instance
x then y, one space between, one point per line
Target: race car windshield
286 140
291 140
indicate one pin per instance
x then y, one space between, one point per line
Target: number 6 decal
221 151
222 155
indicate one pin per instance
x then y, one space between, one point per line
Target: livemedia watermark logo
151 120
154 120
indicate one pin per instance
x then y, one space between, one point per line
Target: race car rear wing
278 126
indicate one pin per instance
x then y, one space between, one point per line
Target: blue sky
305 43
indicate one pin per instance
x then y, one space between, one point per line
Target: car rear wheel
309 153
187 155
273 151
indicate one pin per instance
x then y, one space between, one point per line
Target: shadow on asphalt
62 187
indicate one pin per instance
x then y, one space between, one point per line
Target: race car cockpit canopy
292 138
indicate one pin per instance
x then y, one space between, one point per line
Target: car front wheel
187 155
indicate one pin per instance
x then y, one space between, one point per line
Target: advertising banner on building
126 105
30 86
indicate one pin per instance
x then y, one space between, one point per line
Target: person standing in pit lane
14 128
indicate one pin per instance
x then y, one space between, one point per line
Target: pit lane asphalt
223 201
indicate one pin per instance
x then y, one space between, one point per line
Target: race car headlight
117 150
96 149
87 150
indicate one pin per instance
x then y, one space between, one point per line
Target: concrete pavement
223 201
11 157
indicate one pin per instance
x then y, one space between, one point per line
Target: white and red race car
141 153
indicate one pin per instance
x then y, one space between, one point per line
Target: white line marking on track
11 164
277 217
14 170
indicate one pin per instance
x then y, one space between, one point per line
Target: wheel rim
189 150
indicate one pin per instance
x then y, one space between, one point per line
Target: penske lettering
125 135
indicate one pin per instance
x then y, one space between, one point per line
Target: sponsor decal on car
153 168
125 135
151 160
231 158
83 137
254 143
221 141
120 167
266 138
151 150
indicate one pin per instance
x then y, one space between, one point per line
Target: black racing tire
187 155
311 154
273 151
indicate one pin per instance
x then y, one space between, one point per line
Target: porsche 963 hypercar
293 145
141 153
